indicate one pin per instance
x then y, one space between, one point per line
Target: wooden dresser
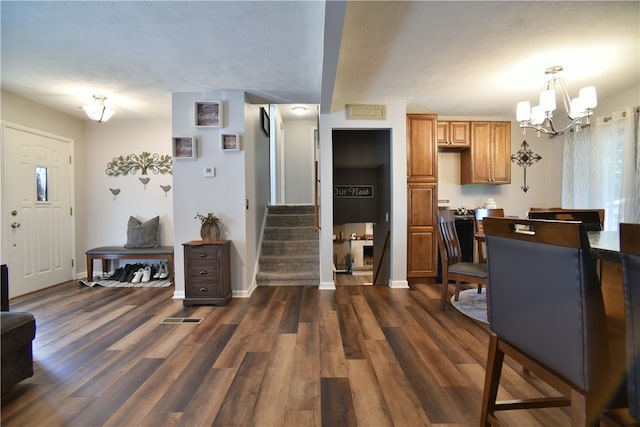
207 276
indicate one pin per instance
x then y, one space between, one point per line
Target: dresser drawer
205 289
204 253
203 270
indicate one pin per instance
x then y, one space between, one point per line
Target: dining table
605 245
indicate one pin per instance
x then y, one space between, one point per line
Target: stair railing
384 252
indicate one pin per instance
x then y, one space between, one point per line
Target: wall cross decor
143 163
525 157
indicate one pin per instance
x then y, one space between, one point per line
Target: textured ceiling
454 58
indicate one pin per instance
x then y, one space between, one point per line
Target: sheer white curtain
601 166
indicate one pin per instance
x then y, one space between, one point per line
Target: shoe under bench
109 253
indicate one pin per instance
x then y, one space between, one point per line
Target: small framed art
229 141
184 147
264 120
208 113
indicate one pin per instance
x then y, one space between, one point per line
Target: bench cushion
121 250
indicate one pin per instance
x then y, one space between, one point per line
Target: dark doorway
362 201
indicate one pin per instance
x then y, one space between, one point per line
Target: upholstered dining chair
453 268
478 230
630 256
546 312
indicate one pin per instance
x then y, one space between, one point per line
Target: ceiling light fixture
577 109
97 111
299 109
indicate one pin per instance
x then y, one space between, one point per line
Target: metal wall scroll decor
525 157
143 163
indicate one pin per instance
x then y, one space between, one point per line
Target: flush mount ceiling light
97 111
299 109
539 118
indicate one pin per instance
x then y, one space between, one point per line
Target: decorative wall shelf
230 141
208 114
185 147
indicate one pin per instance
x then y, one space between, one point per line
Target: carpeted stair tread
290 250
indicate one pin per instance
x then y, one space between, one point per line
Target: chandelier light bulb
540 118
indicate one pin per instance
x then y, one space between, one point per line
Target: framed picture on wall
184 147
229 141
264 120
208 113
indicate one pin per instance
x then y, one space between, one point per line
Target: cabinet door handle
203 289
203 272
203 255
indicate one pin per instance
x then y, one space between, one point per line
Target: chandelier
97 111
540 117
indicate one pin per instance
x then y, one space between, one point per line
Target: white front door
37 177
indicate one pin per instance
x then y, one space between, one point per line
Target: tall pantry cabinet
422 195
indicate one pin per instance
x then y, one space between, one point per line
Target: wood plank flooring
287 356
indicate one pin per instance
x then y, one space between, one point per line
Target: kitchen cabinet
422 151
453 135
422 192
488 161
207 276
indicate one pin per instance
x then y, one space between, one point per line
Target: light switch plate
209 172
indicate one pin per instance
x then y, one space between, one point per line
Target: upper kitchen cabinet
422 150
489 159
453 135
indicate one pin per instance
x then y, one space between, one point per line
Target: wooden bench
107 253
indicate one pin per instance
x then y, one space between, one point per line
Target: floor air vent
181 320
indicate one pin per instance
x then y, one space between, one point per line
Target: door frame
4 215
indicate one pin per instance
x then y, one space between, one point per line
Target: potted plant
209 228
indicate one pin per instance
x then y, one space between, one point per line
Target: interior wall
395 122
298 161
108 214
225 194
258 189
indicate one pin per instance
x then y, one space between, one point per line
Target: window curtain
600 168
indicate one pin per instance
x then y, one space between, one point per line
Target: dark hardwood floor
287 356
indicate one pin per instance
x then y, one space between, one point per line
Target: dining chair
546 312
453 268
630 257
478 231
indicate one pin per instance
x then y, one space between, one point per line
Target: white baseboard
327 286
399 284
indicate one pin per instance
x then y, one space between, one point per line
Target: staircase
290 254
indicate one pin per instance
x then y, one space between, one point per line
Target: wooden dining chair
478 230
593 219
630 256
546 312
453 268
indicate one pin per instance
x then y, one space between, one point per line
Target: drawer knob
203 289
203 272
203 255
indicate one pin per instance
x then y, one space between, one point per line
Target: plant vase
210 231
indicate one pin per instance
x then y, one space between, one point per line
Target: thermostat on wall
209 172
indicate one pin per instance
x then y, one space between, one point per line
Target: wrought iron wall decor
525 158
143 163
